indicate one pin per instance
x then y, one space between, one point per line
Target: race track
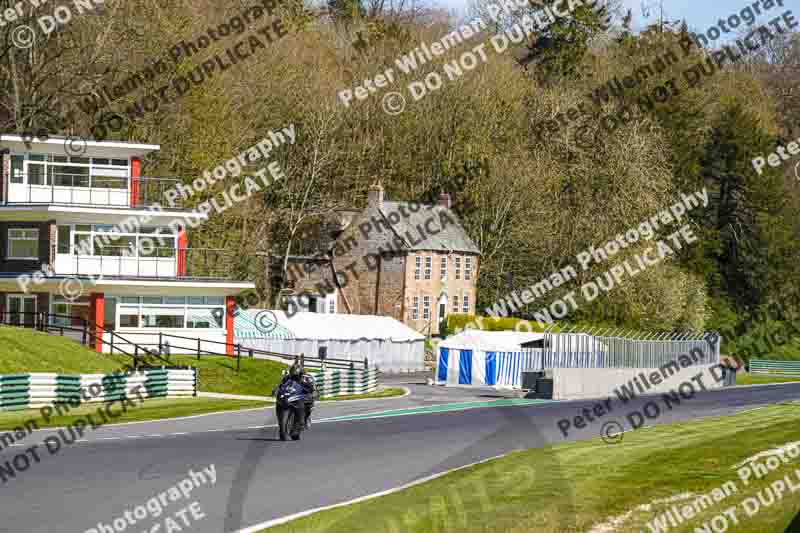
260 478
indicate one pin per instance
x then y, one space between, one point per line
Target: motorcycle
291 399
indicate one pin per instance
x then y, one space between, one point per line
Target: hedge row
458 322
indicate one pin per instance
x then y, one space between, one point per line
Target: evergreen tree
558 52
745 208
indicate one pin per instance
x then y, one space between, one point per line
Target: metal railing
169 343
143 352
149 191
89 191
155 262
617 348
85 333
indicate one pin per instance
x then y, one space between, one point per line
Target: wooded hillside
532 194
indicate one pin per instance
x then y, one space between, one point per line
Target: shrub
459 322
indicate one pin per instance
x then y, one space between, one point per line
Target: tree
743 205
559 51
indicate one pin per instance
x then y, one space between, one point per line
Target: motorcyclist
298 375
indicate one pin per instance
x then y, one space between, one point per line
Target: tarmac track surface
260 478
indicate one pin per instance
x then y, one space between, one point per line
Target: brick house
410 261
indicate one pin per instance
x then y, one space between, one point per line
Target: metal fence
610 348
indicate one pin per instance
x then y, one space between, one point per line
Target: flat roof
79 146
66 214
130 286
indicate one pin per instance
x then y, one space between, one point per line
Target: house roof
452 236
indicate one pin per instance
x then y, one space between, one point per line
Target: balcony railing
148 191
158 263
84 190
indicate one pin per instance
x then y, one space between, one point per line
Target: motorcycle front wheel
298 422
286 423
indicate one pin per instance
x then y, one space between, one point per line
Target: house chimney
444 200
375 197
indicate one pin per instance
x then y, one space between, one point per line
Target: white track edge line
289 518
157 420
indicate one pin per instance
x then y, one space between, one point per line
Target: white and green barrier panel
32 391
766 366
344 382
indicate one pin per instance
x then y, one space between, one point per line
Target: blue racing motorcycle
293 403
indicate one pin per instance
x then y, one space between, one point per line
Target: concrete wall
579 383
177 346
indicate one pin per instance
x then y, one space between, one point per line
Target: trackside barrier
336 382
32 391
765 366
616 348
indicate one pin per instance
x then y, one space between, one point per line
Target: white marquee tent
488 358
388 344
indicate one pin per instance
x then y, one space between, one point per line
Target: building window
164 317
63 171
455 304
466 304
332 305
75 312
467 268
426 307
415 309
23 244
428 266
194 312
203 319
417 266
458 268
17 168
64 240
443 268
105 240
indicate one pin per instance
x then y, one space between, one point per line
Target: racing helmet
296 371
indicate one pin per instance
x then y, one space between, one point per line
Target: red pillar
97 315
182 242
136 171
230 302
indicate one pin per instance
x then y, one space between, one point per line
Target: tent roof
261 324
502 341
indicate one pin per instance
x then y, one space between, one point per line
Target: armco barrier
336 382
32 391
766 366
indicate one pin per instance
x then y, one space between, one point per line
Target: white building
82 242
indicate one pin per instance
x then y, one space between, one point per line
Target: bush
459 322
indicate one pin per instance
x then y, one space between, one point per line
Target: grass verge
154 409
27 350
257 377
581 486
385 393
763 379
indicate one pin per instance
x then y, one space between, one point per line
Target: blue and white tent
486 358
